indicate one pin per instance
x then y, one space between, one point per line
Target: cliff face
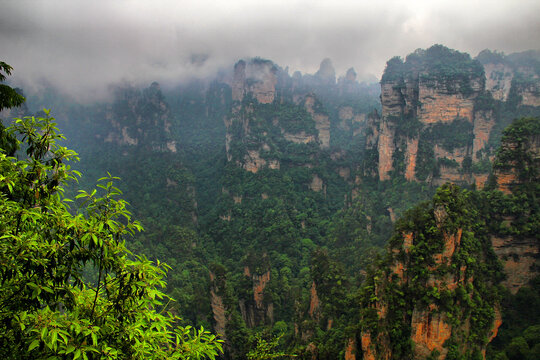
257 311
516 162
278 122
440 109
217 305
421 103
140 118
322 124
445 258
257 78
516 174
498 80
265 114
514 77
430 286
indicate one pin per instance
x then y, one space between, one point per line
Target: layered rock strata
440 112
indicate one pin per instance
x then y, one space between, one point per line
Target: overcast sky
81 46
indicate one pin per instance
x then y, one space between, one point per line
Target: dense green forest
70 288
267 211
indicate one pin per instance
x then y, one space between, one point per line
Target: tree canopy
69 287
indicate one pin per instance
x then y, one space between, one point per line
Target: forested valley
307 216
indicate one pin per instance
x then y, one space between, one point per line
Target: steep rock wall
139 119
257 311
256 77
321 121
441 112
498 80
217 305
516 173
410 109
424 272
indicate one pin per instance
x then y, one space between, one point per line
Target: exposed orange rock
410 159
367 350
344 172
391 99
519 257
440 106
238 81
451 242
358 121
480 180
392 214
218 309
350 350
237 199
530 98
430 327
259 284
483 124
312 349
253 162
314 303
407 241
497 322
257 311
429 331
506 177
300 138
226 217
451 174
385 148
429 102
399 269
505 182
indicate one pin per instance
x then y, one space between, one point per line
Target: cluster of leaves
70 288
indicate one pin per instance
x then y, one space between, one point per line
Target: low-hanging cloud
82 46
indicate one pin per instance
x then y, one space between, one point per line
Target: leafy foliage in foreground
48 306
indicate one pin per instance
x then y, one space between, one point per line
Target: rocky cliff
514 77
139 118
441 113
257 310
278 122
517 174
437 283
262 121
425 298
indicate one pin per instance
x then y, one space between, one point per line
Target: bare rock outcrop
257 77
322 123
440 110
139 118
257 311
425 271
516 171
